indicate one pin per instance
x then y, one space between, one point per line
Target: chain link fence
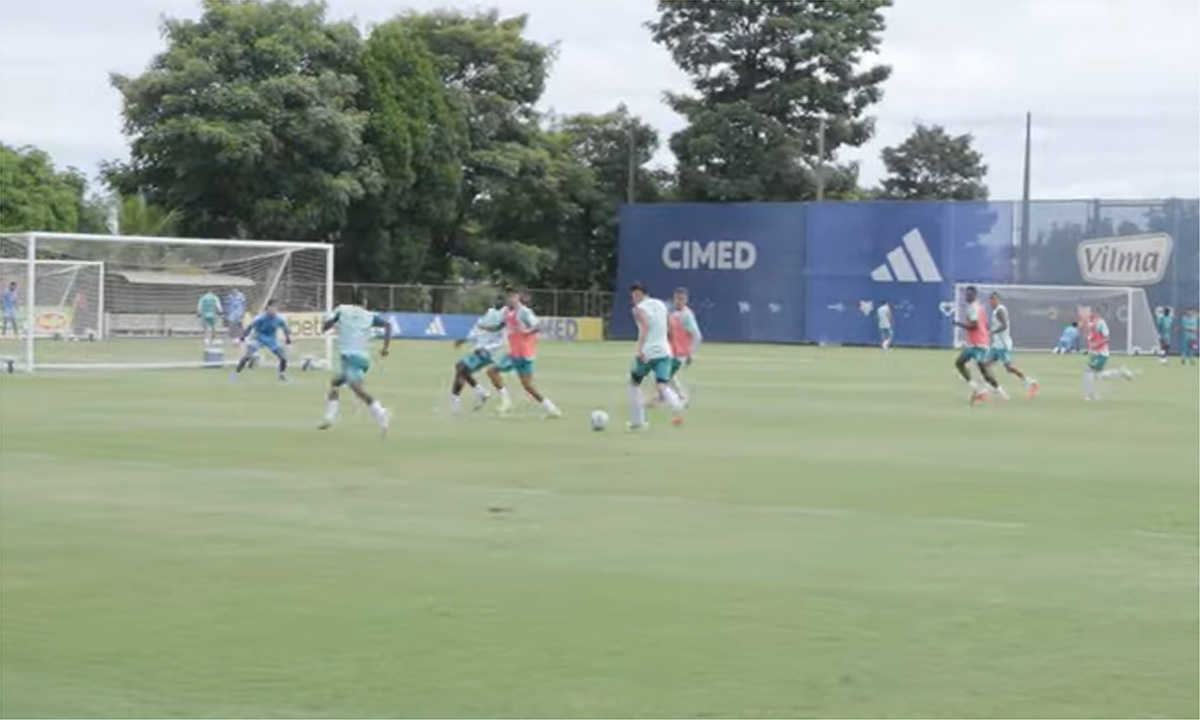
473 299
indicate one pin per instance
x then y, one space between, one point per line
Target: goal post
125 302
1039 313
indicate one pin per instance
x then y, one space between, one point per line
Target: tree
933 165
766 72
416 142
600 145
247 124
35 196
135 216
493 78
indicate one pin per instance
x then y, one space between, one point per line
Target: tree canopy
931 164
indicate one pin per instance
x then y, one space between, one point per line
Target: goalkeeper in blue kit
265 327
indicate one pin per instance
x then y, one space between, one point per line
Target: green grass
833 533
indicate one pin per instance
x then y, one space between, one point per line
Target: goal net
115 302
1039 314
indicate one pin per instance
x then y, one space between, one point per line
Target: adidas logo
898 268
436 327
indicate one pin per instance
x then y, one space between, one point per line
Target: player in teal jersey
1163 321
208 309
1001 348
354 325
266 327
652 355
884 316
1190 340
487 341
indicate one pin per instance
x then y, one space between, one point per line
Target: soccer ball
599 420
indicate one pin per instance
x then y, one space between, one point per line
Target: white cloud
1114 85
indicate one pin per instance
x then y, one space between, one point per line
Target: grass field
833 533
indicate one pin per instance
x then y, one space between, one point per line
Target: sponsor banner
431 326
302 325
742 264
1129 260
51 321
572 329
909 254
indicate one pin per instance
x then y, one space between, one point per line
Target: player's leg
637 411
280 352
524 369
1031 385
355 369
662 378
247 356
331 401
985 369
493 373
977 391
676 383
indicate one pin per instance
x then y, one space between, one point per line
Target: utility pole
821 160
1023 258
629 189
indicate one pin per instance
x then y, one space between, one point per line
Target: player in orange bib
976 349
521 326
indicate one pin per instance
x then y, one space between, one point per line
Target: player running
487 339
976 348
1163 322
354 324
683 333
1190 337
1002 345
266 326
652 355
1097 335
521 326
208 308
884 315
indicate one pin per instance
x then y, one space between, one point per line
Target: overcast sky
1114 85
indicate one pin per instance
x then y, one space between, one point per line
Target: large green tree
36 196
248 123
931 164
765 73
493 77
416 141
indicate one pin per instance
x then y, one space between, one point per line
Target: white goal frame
30 240
29 296
1130 293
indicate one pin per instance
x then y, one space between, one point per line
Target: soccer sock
1106 374
548 405
503 393
331 410
242 363
637 413
680 389
480 392
1088 379
454 403
671 399
1001 391
379 413
282 365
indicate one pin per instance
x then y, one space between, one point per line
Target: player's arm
200 306
287 332
330 322
381 321
1002 321
640 319
971 322
249 329
529 323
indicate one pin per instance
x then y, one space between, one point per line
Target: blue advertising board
908 254
742 263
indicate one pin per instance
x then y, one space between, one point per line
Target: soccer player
1068 342
1097 334
1162 321
486 338
266 326
884 315
684 335
1190 337
1001 347
208 308
521 326
651 355
354 324
235 313
976 348
8 310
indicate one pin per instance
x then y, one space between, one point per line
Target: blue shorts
661 367
266 344
476 361
351 368
522 366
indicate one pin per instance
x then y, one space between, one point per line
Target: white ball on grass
599 420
